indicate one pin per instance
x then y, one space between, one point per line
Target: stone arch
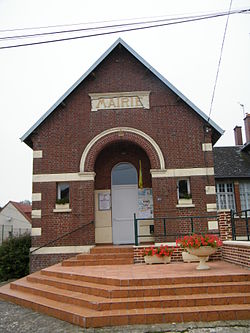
111 135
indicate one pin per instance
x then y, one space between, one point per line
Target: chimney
238 136
247 127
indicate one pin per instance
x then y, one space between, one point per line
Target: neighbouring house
15 220
121 140
232 177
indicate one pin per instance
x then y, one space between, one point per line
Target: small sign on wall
145 203
120 100
104 202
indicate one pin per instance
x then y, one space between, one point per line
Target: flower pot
156 260
202 253
185 201
62 206
187 257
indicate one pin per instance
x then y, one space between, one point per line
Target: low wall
176 256
40 261
237 252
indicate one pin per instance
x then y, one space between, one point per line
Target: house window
245 195
183 187
62 193
225 196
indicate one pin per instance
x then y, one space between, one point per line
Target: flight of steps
101 255
90 297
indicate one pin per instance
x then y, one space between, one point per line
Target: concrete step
95 256
100 303
103 255
107 295
112 249
86 317
112 291
90 261
98 275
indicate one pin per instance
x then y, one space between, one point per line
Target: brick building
87 152
15 220
232 178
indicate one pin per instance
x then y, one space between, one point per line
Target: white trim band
62 177
182 172
211 207
36 231
36 213
207 147
62 249
237 243
62 210
120 130
37 153
36 197
212 225
210 190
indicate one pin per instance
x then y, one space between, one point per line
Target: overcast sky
33 78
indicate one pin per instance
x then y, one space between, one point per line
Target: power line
114 26
102 27
193 19
100 22
219 63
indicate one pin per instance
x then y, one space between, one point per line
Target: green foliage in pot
62 201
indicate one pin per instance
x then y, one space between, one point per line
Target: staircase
110 295
102 255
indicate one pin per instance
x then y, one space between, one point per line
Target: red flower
197 241
161 251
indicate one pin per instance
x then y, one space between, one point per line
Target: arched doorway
124 192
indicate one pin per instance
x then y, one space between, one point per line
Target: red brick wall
225 225
176 128
175 257
40 261
55 225
170 122
116 153
236 254
232 251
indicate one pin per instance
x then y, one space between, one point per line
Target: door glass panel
124 174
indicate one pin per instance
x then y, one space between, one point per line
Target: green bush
14 257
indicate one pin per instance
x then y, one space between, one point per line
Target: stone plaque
120 100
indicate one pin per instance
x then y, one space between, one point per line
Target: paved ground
14 318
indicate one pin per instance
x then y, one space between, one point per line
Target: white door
124 203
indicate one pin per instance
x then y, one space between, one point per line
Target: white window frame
244 195
188 188
60 189
225 199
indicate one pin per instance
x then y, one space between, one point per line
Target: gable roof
147 65
231 162
23 209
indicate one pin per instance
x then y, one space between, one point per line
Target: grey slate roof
147 65
231 162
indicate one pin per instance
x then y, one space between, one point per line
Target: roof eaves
146 64
246 146
61 99
17 206
174 89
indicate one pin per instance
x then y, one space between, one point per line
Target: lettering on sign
120 100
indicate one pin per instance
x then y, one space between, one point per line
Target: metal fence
7 231
240 225
170 228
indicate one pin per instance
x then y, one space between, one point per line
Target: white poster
145 203
104 201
